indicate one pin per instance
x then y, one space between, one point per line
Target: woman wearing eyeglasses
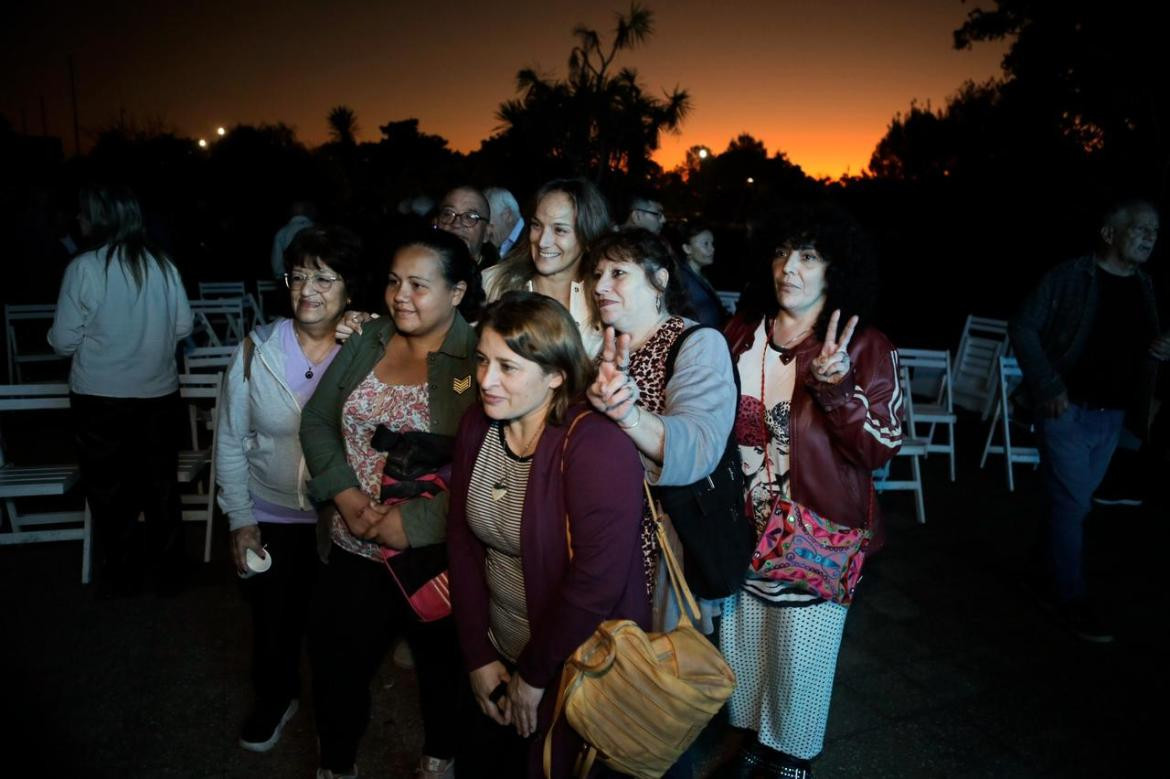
410 372
570 214
261 470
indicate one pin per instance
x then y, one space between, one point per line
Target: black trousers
128 453
357 612
279 598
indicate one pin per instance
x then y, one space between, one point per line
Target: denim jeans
1076 449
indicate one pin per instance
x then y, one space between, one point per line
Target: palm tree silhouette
595 120
343 126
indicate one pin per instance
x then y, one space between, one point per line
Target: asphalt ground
949 666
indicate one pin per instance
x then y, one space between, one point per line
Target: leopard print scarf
648 370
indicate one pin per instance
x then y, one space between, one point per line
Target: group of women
517 452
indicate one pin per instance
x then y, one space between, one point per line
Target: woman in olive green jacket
412 371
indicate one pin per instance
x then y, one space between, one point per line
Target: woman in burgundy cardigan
543 529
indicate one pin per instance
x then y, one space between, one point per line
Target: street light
703 153
751 180
202 143
221 132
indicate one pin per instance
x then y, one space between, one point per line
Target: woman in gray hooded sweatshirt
261 470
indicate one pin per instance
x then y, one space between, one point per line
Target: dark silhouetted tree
1090 71
343 126
599 120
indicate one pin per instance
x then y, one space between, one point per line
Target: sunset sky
817 80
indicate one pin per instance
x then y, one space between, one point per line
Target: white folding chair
229 312
221 289
202 389
211 290
20 482
912 448
34 312
930 375
265 287
729 300
1010 377
203 359
982 343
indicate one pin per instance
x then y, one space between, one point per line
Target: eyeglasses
656 214
320 281
449 216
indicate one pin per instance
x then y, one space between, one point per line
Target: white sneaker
403 658
257 736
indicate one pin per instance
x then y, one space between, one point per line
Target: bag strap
249 347
677 581
676 347
569 679
564 448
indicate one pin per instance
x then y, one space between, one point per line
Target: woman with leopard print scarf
679 422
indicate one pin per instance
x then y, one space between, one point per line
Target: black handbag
718 537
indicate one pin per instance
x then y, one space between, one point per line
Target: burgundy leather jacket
840 433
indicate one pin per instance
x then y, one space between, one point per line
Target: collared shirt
513 236
591 335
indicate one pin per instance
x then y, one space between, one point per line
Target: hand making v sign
831 365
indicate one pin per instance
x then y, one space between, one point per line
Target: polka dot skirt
784 658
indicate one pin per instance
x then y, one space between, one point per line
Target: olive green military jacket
451 388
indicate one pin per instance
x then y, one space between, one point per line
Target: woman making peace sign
820 409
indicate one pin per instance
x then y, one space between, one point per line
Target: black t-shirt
1106 375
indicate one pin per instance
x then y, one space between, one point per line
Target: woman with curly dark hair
820 409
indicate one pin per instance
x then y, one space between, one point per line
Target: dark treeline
968 202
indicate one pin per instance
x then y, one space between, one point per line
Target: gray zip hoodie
258 446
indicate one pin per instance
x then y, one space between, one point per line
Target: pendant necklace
500 487
309 364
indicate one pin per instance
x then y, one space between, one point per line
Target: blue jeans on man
1076 449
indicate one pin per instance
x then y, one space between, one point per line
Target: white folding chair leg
919 502
87 546
990 437
953 454
210 513
1007 451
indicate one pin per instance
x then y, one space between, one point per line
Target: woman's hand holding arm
484 681
352 505
523 701
351 322
385 526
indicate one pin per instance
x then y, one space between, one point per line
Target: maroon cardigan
567 599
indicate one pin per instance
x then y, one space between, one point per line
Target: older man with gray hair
1088 342
507 225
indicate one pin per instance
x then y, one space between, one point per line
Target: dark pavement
949 668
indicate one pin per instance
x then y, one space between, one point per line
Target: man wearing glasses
464 212
647 213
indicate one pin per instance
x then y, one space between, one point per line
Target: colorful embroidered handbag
805 549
